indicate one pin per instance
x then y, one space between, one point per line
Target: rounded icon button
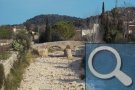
121 76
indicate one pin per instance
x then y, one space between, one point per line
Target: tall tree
103 8
47 32
64 30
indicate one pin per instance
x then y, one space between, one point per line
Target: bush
13 80
63 30
21 42
119 38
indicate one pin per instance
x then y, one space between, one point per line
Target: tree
48 32
45 36
21 42
63 30
103 8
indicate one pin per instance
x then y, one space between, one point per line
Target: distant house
91 31
130 29
85 34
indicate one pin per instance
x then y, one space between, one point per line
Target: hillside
124 14
52 19
40 20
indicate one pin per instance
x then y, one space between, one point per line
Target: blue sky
18 11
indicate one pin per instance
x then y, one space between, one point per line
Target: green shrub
63 30
21 42
16 75
5 34
119 38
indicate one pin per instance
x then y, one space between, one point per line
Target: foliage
103 8
112 26
48 32
5 34
16 75
2 76
46 36
63 30
21 42
119 37
52 18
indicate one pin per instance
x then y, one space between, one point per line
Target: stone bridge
60 44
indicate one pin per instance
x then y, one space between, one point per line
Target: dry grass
16 75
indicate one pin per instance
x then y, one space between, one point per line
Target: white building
90 32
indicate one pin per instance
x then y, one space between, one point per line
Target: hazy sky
18 11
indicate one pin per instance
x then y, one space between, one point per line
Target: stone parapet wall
9 63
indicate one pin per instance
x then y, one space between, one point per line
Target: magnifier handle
125 79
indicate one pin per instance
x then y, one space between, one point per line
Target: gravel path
53 73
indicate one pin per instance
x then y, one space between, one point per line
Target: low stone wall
9 63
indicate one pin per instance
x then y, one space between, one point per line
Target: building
129 29
86 34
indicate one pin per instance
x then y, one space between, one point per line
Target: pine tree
103 8
47 32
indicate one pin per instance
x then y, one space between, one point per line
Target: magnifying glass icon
121 76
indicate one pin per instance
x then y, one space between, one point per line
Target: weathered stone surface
43 51
52 73
61 44
69 54
9 63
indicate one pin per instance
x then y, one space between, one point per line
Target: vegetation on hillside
5 34
62 30
41 20
111 22
112 25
